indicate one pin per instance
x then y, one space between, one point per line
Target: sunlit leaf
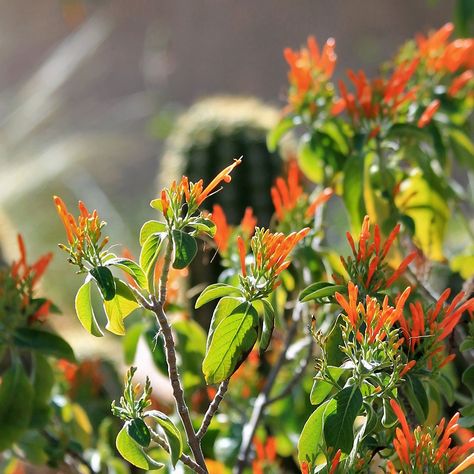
119 308
84 310
214 291
232 341
105 281
172 434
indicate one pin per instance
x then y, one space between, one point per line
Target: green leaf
309 160
105 281
139 432
468 378
389 419
185 249
334 339
149 228
224 308
268 325
43 341
132 268
311 438
133 453
463 147
232 341
172 434
277 133
202 224
119 308
150 250
16 405
43 381
214 291
84 310
339 426
321 389
352 190
130 342
320 292
417 397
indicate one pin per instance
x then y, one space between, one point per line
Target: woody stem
178 393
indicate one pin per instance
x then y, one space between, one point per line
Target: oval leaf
45 342
84 310
16 405
339 426
149 228
268 325
105 281
321 389
139 432
320 292
214 291
233 339
185 249
224 307
119 308
133 453
311 439
172 434
132 268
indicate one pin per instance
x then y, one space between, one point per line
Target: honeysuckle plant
310 360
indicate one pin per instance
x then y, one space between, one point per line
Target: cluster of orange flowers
368 267
428 329
224 231
271 251
429 447
194 194
376 319
377 99
26 276
288 197
266 454
310 69
84 234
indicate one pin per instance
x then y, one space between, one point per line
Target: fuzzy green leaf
232 341
321 389
172 434
339 426
84 310
214 291
132 268
133 453
119 308
45 342
105 281
185 249
149 228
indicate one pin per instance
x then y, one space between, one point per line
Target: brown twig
184 458
178 393
213 406
261 401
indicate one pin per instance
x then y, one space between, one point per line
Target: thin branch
296 377
178 393
261 401
184 458
213 406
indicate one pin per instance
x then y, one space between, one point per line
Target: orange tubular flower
310 69
428 114
335 462
441 56
224 231
429 447
425 331
224 175
377 319
377 99
367 266
288 196
84 234
266 454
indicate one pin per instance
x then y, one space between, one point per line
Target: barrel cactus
205 140
209 135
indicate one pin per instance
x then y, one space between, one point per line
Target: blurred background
90 91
